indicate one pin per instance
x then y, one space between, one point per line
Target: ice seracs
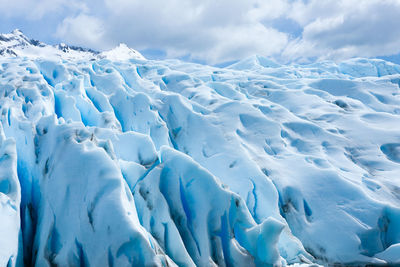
111 159
10 200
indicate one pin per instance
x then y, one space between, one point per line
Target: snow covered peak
17 39
122 52
17 32
254 62
10 41
16 44
13 34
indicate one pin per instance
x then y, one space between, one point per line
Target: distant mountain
16 44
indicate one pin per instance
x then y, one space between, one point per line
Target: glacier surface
114 160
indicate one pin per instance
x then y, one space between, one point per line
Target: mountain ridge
16 44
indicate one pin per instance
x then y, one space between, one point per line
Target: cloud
343 29
213 31
36 10
83 30
223 30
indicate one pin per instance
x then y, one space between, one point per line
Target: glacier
110 159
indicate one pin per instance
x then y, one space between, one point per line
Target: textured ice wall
165 162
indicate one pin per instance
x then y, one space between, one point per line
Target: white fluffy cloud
213 31
83 30
37 9
224 30
345 28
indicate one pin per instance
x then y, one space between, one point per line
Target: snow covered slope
125 161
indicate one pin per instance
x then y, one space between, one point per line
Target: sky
216 31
